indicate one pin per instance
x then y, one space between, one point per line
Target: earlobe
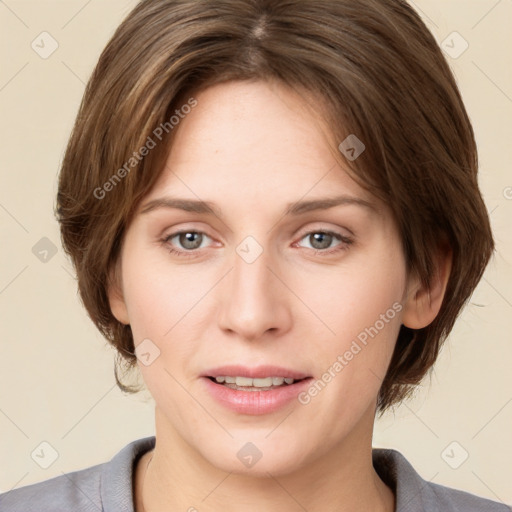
116 296
422 303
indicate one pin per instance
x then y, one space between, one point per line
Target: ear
422 304
115 294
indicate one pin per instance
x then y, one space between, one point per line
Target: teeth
243 381
257 383
261 383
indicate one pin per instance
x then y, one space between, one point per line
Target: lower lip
255 402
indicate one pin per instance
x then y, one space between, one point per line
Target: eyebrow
292 209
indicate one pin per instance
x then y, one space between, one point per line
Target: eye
189 241
321 241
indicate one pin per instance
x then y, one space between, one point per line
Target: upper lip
257 372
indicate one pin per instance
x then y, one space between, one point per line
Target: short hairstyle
378 71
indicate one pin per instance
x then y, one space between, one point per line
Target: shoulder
78 490
414 494
453 499
104 487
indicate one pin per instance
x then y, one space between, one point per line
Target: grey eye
188 240
320 240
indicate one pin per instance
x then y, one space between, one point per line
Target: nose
254 300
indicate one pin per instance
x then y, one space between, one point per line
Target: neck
179 478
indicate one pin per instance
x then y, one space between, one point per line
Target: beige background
56 375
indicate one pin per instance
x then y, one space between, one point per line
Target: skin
252 149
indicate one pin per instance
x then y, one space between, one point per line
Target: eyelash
343 246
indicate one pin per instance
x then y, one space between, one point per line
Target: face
264 282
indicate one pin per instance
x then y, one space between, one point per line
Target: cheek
160 306
355 297
362 308
170 306
158 296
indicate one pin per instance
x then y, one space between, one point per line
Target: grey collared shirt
108 487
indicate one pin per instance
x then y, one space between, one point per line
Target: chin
259 457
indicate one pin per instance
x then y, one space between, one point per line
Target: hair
380 74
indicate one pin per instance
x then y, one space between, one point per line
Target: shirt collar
117 476
411 491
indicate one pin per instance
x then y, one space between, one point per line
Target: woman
271 208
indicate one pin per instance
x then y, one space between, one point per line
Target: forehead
255 140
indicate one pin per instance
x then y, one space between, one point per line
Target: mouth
260 378
254 390
240 383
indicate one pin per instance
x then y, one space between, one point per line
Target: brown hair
372 62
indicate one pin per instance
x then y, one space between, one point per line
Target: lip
255 402
258 372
